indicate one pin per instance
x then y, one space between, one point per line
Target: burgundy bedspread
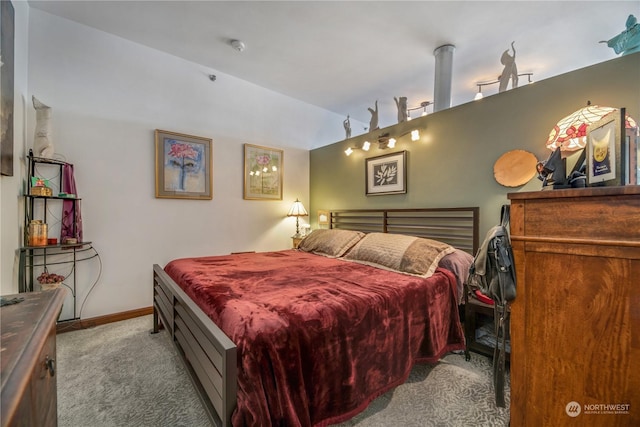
318 338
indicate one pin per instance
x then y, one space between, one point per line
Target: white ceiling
344 55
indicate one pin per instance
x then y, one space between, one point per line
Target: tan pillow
331 243
397 252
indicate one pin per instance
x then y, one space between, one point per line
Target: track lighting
479 95
423 106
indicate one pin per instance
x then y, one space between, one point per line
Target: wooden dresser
27 359
575 324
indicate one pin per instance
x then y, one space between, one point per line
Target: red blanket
319 338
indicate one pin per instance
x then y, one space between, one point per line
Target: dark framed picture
603 151
183 166
386 174
263 168
7 32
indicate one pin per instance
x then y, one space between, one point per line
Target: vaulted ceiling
344 55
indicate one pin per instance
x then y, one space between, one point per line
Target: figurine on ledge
627 41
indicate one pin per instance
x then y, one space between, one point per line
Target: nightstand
296 241
477 315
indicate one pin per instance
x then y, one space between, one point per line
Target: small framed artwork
183 166
263 169
386 174
323 218
603 155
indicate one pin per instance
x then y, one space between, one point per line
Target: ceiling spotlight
423 106
479 94
348 151
237 45
366 145
212 77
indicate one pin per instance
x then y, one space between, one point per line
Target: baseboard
74 325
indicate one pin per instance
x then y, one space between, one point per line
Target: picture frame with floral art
386 174
183 166
263 172
603 150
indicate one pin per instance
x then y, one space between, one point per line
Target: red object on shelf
482 297
52 241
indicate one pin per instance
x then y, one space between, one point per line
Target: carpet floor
121 375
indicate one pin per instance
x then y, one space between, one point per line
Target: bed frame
210 356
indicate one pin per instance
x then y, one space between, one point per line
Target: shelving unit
34 259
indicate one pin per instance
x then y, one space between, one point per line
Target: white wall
11 186
108 95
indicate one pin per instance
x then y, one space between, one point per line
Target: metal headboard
456 226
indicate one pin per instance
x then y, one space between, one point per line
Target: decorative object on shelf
37 233
552 171
50 280
479 95
401 105
373 123
42 140
603 152
297 210
571 131
386 174
183 166
510 70
347 127
627 41
263 173
515 168
40 187
7 33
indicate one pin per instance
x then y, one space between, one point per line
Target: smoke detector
237 45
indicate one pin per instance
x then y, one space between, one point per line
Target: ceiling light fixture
479 95
237 45
384 141
423 105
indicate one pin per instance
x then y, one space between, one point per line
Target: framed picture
603 155
7 32
323 217
386 174
263 168
183 166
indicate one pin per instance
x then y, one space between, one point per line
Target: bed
310 336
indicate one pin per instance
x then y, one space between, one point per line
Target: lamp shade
570 133
297 209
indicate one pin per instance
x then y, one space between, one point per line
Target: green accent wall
452 163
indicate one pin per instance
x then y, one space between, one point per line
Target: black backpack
493 273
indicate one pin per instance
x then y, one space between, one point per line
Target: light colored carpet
120 375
